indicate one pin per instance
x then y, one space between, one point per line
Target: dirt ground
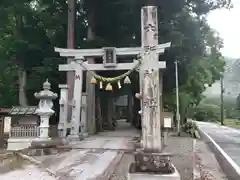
184 149
180 147
10 162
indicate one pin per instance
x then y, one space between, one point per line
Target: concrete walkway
93 158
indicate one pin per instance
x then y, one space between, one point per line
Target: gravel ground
14 168
122 168
9 162
181 147
207 163
182 150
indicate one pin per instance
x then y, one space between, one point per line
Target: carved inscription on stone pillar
156 163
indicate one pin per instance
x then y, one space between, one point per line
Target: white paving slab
87 171
30 172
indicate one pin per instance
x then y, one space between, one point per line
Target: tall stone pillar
149 162
77 104
63 102
149 71
84 128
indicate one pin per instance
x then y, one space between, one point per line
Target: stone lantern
45 111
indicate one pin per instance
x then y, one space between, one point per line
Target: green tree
23 42
206 112
238 103
30 29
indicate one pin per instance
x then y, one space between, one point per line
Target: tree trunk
114 113
90 88
71 45
130 108
71 23
183 112
22 77
110 114
99 115
22 74
104 110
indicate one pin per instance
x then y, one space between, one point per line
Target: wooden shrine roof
20 110
4 110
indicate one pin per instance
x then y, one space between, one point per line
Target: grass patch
235 123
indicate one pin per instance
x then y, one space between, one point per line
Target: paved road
227 138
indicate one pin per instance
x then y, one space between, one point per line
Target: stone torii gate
149 162
77 65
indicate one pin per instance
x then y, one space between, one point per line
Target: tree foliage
205 112
229 105
43 25
238 103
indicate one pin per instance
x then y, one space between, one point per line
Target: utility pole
222 103
177 98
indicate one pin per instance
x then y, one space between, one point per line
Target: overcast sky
227 23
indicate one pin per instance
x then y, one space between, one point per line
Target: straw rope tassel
109 87
127 80
93 80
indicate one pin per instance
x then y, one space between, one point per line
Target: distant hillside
231 81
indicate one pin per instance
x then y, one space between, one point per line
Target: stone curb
106 175
196 168
38 164
228 166
96 149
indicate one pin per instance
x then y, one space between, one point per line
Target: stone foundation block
153 162
152 166
153 176
78 137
